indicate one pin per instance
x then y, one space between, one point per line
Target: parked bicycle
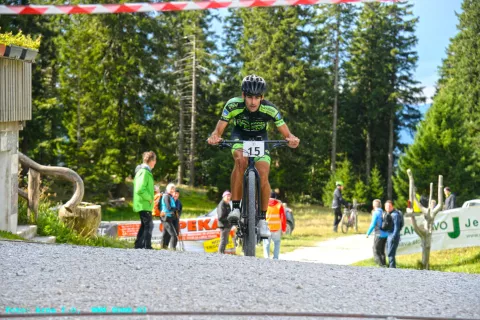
350 217
248 231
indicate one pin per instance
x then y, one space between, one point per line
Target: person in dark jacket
393 237
223 210
449 199
179 206
167 215
337 204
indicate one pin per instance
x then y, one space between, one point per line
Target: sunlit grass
9 236
465 260
194 200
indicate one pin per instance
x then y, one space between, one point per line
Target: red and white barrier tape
162 6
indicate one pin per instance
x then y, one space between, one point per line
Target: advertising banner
454 228
198 235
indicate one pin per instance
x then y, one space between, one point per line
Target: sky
436 26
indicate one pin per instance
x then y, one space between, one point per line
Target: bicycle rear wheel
344 223
251 236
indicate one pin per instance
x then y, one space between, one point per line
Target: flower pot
30 54
2 49
13 52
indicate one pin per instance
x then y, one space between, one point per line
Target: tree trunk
194 117
181 148
368 154
85 218
335 103
33 195
426 246
390 155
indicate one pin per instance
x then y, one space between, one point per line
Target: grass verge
49 224
465 260
9 236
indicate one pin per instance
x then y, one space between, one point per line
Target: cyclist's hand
214 139
293 141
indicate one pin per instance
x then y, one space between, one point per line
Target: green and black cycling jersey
251 122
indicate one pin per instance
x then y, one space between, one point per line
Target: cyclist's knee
240 163
263 171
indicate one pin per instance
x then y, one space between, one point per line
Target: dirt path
342 250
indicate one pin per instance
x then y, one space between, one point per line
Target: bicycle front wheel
344 223
251 236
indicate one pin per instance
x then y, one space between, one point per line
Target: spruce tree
447 140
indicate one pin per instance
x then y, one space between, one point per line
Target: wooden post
33 195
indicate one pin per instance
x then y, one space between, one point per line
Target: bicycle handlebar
230 143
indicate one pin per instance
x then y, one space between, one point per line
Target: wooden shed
15 108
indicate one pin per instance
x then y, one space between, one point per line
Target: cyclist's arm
292 140
216 135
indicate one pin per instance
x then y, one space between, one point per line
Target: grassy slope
194 201
453 260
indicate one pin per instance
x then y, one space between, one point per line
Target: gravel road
39 277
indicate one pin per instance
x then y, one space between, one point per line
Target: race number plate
253 148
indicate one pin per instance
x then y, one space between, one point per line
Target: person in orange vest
277 223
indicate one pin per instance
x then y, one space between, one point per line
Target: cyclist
250 114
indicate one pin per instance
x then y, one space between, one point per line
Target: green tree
335 26
361 192
109 86
405 92
376 185
343 173
447 141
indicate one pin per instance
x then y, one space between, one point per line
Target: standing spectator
337 204
179 206
277 223
380 236
167 214
394 236
450 199
143 191
433 204
223 210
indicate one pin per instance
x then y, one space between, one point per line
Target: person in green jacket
143 193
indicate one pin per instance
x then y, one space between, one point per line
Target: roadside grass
9 236
465 260
49 224
194 200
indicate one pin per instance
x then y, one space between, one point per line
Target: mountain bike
248 231
350 217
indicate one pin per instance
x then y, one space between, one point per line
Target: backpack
402 219
156 204
387 222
